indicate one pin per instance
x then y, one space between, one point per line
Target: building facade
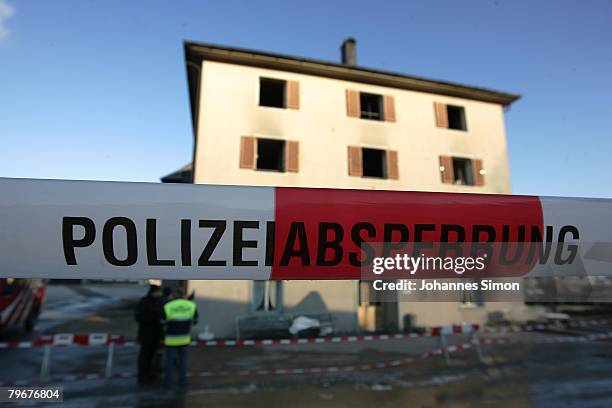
273 120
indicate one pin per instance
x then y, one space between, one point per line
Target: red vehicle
21 302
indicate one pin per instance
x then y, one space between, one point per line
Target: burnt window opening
271 155
374 163
456 117
371 106
272 92
462 171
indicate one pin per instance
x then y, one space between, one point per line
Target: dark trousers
148 347
180 354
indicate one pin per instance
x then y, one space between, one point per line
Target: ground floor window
267 296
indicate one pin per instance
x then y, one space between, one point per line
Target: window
374 163
450 116
371 106
462 172
272 92
267 296
456 117
378 163
270 155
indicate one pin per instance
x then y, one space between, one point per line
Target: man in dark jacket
150 332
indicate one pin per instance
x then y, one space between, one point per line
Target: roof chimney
349 52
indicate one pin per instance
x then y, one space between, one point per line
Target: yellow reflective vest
179 315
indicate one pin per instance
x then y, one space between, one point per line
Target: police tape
67 339
259 372
111 230
329 369
550 340
545 326
102 339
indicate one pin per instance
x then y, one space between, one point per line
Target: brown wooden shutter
441 115
446 169
293 95
355 161
292 156
478 172
353 106
248 152
389 107
392 165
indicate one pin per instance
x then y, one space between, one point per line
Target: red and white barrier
334 369
103 339
110 230
67 339
260 372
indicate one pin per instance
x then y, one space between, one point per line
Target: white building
275 120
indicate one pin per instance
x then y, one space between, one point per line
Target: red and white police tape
259 372
328 369
101 339
113 230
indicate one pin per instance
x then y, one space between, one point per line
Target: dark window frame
456 117
369 100
263 163
267 97
382 173
465 165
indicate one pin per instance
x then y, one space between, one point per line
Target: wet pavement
531 373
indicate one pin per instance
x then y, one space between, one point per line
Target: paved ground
531 374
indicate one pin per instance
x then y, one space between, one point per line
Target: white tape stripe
95 339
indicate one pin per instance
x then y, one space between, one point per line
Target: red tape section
319 231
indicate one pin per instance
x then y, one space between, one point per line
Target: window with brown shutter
248 152
293 95
353 106
450 116
389 107
374 163
392 165
446 169
371 106
292 152
456 117
463 171
270 155
355 161
441 115
478 172
272 92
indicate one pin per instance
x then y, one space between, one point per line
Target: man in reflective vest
179 315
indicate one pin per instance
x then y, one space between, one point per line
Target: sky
97 90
